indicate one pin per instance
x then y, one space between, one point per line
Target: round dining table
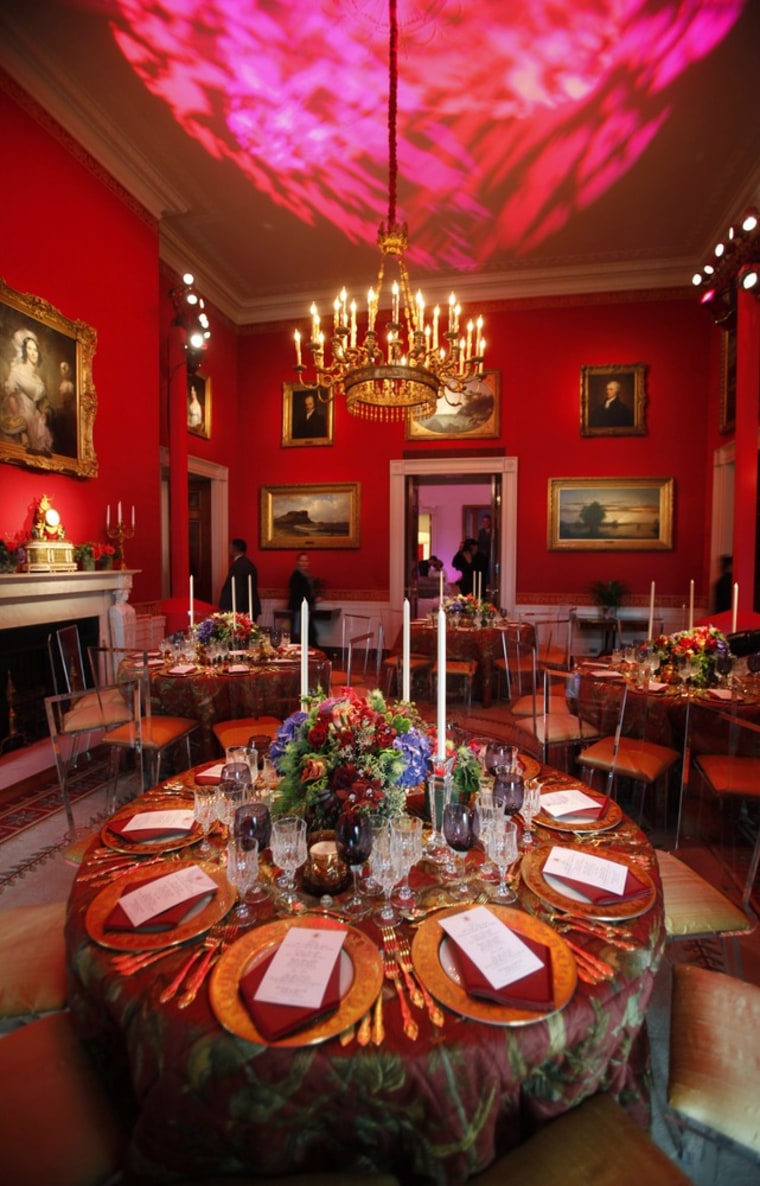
243 688
482 643
432 1103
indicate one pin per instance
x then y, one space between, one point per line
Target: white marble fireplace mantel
35 598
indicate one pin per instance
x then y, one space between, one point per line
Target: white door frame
218 475
443 468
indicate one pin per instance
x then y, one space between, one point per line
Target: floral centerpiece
468 606
224 627
351 753
693 653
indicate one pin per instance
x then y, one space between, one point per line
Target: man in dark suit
300 585
309 419
240 570
614 412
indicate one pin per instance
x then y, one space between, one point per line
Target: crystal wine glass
204 811
508 790
253 825
243 872
531 805
485 811
385 865
406 834
353 840
289 852
458 830
502 849
499 756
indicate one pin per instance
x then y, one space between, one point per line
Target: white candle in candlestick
735 607
250 596
441 718
118 513
191 611
234 604
691 605
133 516
651 611
440 590
108 516
405 670
304 648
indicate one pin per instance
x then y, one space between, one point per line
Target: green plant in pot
608 595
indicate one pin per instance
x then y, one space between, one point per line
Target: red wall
81 245
72 239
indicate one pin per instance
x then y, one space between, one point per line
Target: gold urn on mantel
48 550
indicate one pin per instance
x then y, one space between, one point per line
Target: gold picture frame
47 398
310 517
199 404
474 414
623 414
638 514
302 424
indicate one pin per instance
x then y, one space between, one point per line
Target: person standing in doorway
484 550
300 585
240 570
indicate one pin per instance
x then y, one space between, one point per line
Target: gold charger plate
610 819
230 1010
530 766
160 844
199 921
426 957
532 874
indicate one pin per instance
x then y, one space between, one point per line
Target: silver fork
212 953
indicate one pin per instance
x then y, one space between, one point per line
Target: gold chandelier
402 372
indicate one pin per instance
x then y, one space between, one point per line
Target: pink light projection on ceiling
511 116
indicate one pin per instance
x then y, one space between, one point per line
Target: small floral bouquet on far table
474 608
226 628
693 653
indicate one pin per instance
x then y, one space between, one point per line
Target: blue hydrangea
416 748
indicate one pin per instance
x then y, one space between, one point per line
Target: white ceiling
592 146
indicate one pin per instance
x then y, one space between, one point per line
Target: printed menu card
497 964
572 802
163 901
599 880
297 983
148 825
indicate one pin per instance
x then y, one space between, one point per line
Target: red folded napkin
535 991
601 897
146 833
276 1021
119 921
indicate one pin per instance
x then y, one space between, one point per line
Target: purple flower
416 748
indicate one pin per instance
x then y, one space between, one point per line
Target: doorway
217 484
199 526
406 479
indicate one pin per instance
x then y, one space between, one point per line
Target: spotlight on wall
191 315
749 279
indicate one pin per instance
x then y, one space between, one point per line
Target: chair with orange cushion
240 731
57 1125
144 732
32 960
464 669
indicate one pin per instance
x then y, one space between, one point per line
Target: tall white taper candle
234 603
691 605
440 752
440 589
735 607
250 596
304 647
405 650
191 611
650 627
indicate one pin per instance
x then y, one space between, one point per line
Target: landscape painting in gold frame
473 414
610 514
47 399
309 517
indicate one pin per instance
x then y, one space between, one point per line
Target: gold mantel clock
48 550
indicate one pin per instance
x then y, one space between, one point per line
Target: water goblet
252 825
235 754
370 885
353 840
484 813
458 830
502 849
406 834
385 865
243 872
500 756
289 852
531 805
204 811
508 790
231 794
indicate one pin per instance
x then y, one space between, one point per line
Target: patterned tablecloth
266 689
432 1111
